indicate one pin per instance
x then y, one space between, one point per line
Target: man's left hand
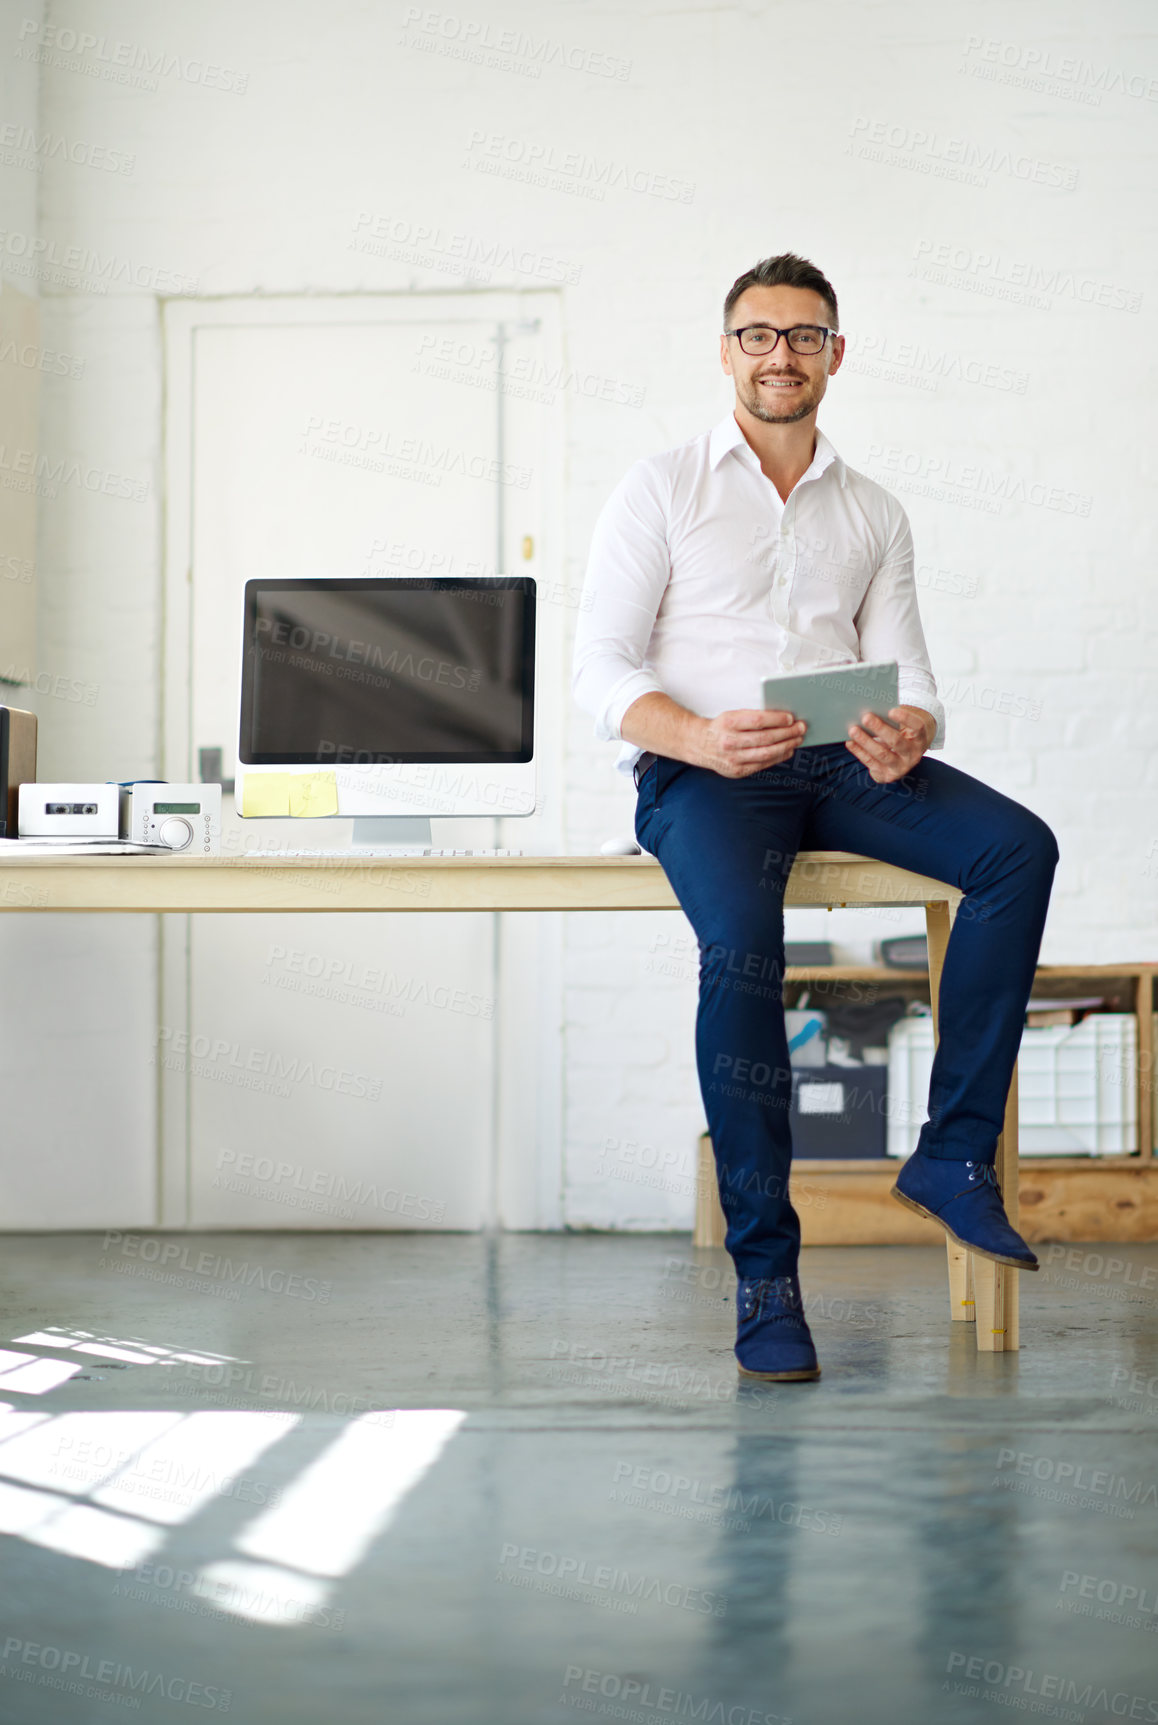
888 753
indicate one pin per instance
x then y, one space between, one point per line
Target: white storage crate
1076 1086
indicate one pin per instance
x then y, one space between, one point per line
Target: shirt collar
727 436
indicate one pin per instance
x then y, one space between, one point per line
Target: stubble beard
751 399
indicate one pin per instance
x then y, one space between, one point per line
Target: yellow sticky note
312 795
266 794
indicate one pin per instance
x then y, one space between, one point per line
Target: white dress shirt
701 583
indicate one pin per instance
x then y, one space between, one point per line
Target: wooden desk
250 883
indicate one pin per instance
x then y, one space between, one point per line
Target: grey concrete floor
603 1523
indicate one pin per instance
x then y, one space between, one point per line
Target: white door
339 1071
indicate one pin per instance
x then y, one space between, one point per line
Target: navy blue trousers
727 847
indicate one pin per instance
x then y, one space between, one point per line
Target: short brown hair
785 270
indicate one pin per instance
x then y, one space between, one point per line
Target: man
754 550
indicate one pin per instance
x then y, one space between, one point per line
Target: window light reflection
338 1504
33 1376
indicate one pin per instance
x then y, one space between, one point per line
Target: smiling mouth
781 382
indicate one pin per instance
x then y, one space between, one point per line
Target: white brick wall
905 131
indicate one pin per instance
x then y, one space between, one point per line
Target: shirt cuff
929 704
622 696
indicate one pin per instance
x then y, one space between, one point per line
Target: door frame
525 1177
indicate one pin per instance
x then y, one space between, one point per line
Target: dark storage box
841 1112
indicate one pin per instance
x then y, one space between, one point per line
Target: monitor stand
393 832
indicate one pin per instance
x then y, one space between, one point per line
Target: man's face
781 386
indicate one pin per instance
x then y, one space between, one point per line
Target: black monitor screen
403 670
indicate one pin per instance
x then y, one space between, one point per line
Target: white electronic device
68 811
830 700
393 699
181 817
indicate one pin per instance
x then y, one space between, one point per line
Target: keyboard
382 851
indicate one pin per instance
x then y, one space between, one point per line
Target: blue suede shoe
773 1340
965 1198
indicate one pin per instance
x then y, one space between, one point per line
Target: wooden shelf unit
1112 1197
1128 988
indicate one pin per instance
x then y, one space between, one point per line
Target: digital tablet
830 701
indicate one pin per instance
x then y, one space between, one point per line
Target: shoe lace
985 1174
778 1292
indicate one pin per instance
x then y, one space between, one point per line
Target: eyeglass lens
803 338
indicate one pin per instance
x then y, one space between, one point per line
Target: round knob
175 832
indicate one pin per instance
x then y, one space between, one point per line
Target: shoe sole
804 1377
978 1251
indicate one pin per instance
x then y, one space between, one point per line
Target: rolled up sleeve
888 625
627 572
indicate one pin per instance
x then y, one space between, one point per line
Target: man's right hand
746 741
733 744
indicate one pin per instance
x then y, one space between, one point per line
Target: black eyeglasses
760 338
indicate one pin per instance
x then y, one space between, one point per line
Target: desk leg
1009 1173
938 924
990 1283
962 1307
710 1224
998 1286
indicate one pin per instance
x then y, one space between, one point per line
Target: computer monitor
391 699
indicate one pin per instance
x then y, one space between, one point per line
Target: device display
831 700
363 672
180 817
